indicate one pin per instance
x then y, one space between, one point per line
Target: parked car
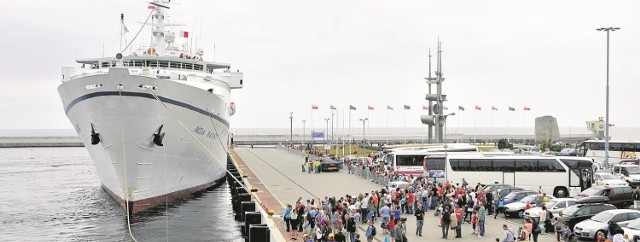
619 196
517 196
601 179
518 208
633 230
582 211
502 192
597 224
491 187
554 206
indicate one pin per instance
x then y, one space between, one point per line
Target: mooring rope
124 160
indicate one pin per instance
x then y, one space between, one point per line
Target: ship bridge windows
155 63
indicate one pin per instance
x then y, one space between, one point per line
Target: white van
631 173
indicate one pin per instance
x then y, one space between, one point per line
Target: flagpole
509 126
350 135
342 132
334 131
491 124
524 124
369 123
387 112
404 123
475 130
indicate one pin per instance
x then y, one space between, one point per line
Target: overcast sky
545 55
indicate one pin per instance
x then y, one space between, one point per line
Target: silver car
597 224
554 206
520 206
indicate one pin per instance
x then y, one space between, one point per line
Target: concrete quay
277 175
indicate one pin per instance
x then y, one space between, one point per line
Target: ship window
148 86
93 86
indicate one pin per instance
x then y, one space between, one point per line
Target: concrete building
547 128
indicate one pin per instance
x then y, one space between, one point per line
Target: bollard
238 190
259 233
249 206
251 218
242 197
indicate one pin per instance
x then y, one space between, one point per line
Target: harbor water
54 194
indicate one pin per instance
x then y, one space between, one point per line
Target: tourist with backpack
508 235
371 231
446 221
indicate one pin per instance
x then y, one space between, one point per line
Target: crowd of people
453 204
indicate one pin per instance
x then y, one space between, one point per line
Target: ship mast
158 25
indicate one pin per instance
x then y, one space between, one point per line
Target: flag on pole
369 107
494 108
352 107
445 108
332 107
425 107
184 34
406 107
527 108
461 108
151 7
314 107
389 107
478 107
512 109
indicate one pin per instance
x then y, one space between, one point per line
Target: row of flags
407 107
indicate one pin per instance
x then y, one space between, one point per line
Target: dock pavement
277 175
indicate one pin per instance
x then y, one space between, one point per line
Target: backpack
373 230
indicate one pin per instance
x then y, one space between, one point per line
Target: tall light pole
326 120
291 128
606 128
304 132
364 134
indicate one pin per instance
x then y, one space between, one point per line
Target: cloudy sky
545 55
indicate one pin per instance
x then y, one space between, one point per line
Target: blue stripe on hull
143 95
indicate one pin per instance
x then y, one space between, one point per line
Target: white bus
618 150
409 161
558 176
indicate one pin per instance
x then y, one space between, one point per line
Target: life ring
602 126
151 51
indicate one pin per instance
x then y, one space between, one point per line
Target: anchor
95 137
157 137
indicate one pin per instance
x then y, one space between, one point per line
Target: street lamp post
326 120
304 132
364 134
291 128
445 131
606 128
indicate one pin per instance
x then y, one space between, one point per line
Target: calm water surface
54 194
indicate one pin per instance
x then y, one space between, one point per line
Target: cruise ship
155 118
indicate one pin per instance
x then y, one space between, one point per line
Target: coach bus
408 161
618 150
558 176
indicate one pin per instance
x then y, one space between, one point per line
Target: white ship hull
130 165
